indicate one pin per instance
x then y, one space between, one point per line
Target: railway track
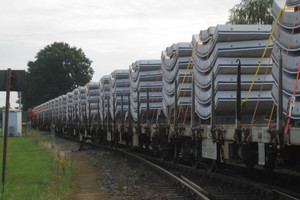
221 186
283 180
199 184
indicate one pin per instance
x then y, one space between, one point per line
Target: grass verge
33 171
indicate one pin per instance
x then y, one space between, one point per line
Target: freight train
230 94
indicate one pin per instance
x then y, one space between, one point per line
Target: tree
251 12
58 69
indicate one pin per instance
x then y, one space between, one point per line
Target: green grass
29 169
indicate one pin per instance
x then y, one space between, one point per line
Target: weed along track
86 178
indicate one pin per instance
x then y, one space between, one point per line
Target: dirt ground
106 176
87 177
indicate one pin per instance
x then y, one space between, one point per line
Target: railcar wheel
175 153
211 165
164 155
195 164
126 136
221 156
271 159
248 155
195 159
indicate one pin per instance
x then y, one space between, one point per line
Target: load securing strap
264 53
291 103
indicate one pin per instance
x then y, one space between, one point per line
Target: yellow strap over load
265 51
188 67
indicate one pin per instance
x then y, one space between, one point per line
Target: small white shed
14 123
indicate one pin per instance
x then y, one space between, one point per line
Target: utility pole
8 83
15 81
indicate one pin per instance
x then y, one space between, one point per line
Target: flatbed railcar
230 93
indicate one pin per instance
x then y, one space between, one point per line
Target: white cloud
112 33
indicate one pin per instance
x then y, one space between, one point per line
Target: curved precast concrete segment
177 66
82 103
223 71
288 18
287 46
183 87
288 85
176 54
119 86
76 105
285 101
227 65
293 3
225 102
149 76
232 34
63 107
93 98
145 65
69 106
104 96
218 55
145 75
238 50
82 94
206 35
287 39
228 83
290 59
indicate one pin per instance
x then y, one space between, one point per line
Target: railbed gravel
125 179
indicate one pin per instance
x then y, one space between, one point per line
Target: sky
112 33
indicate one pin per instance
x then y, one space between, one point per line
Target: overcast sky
112 33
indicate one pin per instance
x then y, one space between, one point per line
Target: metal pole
98 112
138 111
8 83
103 114
87 124
148 109
129 114
175 109
114 113
122 115
114 130
193 104
108 114
52 135
90 120
109 130
238 102
280 104
212 117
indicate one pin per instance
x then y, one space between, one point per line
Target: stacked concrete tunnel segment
185 103
119 94
176 69
145 76
216 58
287 46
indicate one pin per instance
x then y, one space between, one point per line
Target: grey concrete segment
145 74
292 3
288 19
218 54
175 62
287 39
